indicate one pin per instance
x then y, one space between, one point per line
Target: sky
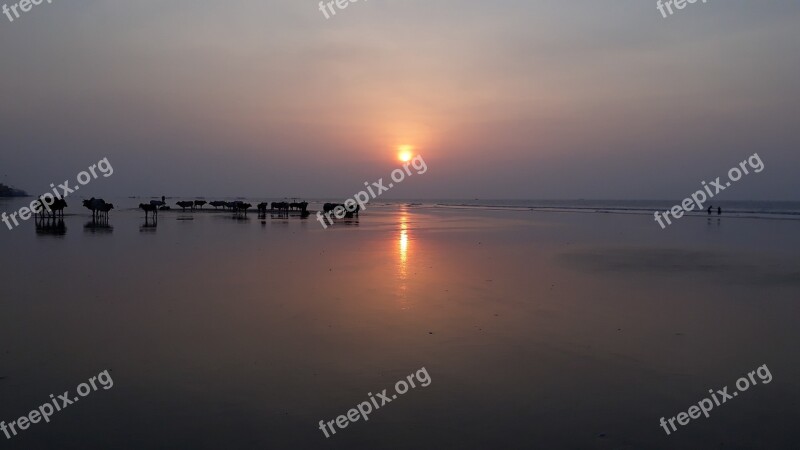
504 99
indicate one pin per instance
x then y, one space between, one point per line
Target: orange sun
404 153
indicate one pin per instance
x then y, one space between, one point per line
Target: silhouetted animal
331 206
262 207
106 208
185 205
242 207
327 207
96 205
55 209
157 203
200 203
217 204
148 209
298 205
58 207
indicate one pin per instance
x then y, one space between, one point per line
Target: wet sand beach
556 330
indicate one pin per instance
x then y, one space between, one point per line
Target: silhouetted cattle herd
100 208
55 208
242 207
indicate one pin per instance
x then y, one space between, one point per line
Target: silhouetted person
709 210
719 211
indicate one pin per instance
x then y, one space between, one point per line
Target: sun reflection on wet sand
402 253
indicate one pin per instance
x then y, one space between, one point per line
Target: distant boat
7 191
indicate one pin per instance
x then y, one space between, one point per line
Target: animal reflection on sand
50 226
99 225
149 225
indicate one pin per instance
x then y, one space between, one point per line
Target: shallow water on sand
538 330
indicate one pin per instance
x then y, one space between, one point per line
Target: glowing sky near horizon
507 99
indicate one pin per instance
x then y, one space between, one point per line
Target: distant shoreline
8 191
